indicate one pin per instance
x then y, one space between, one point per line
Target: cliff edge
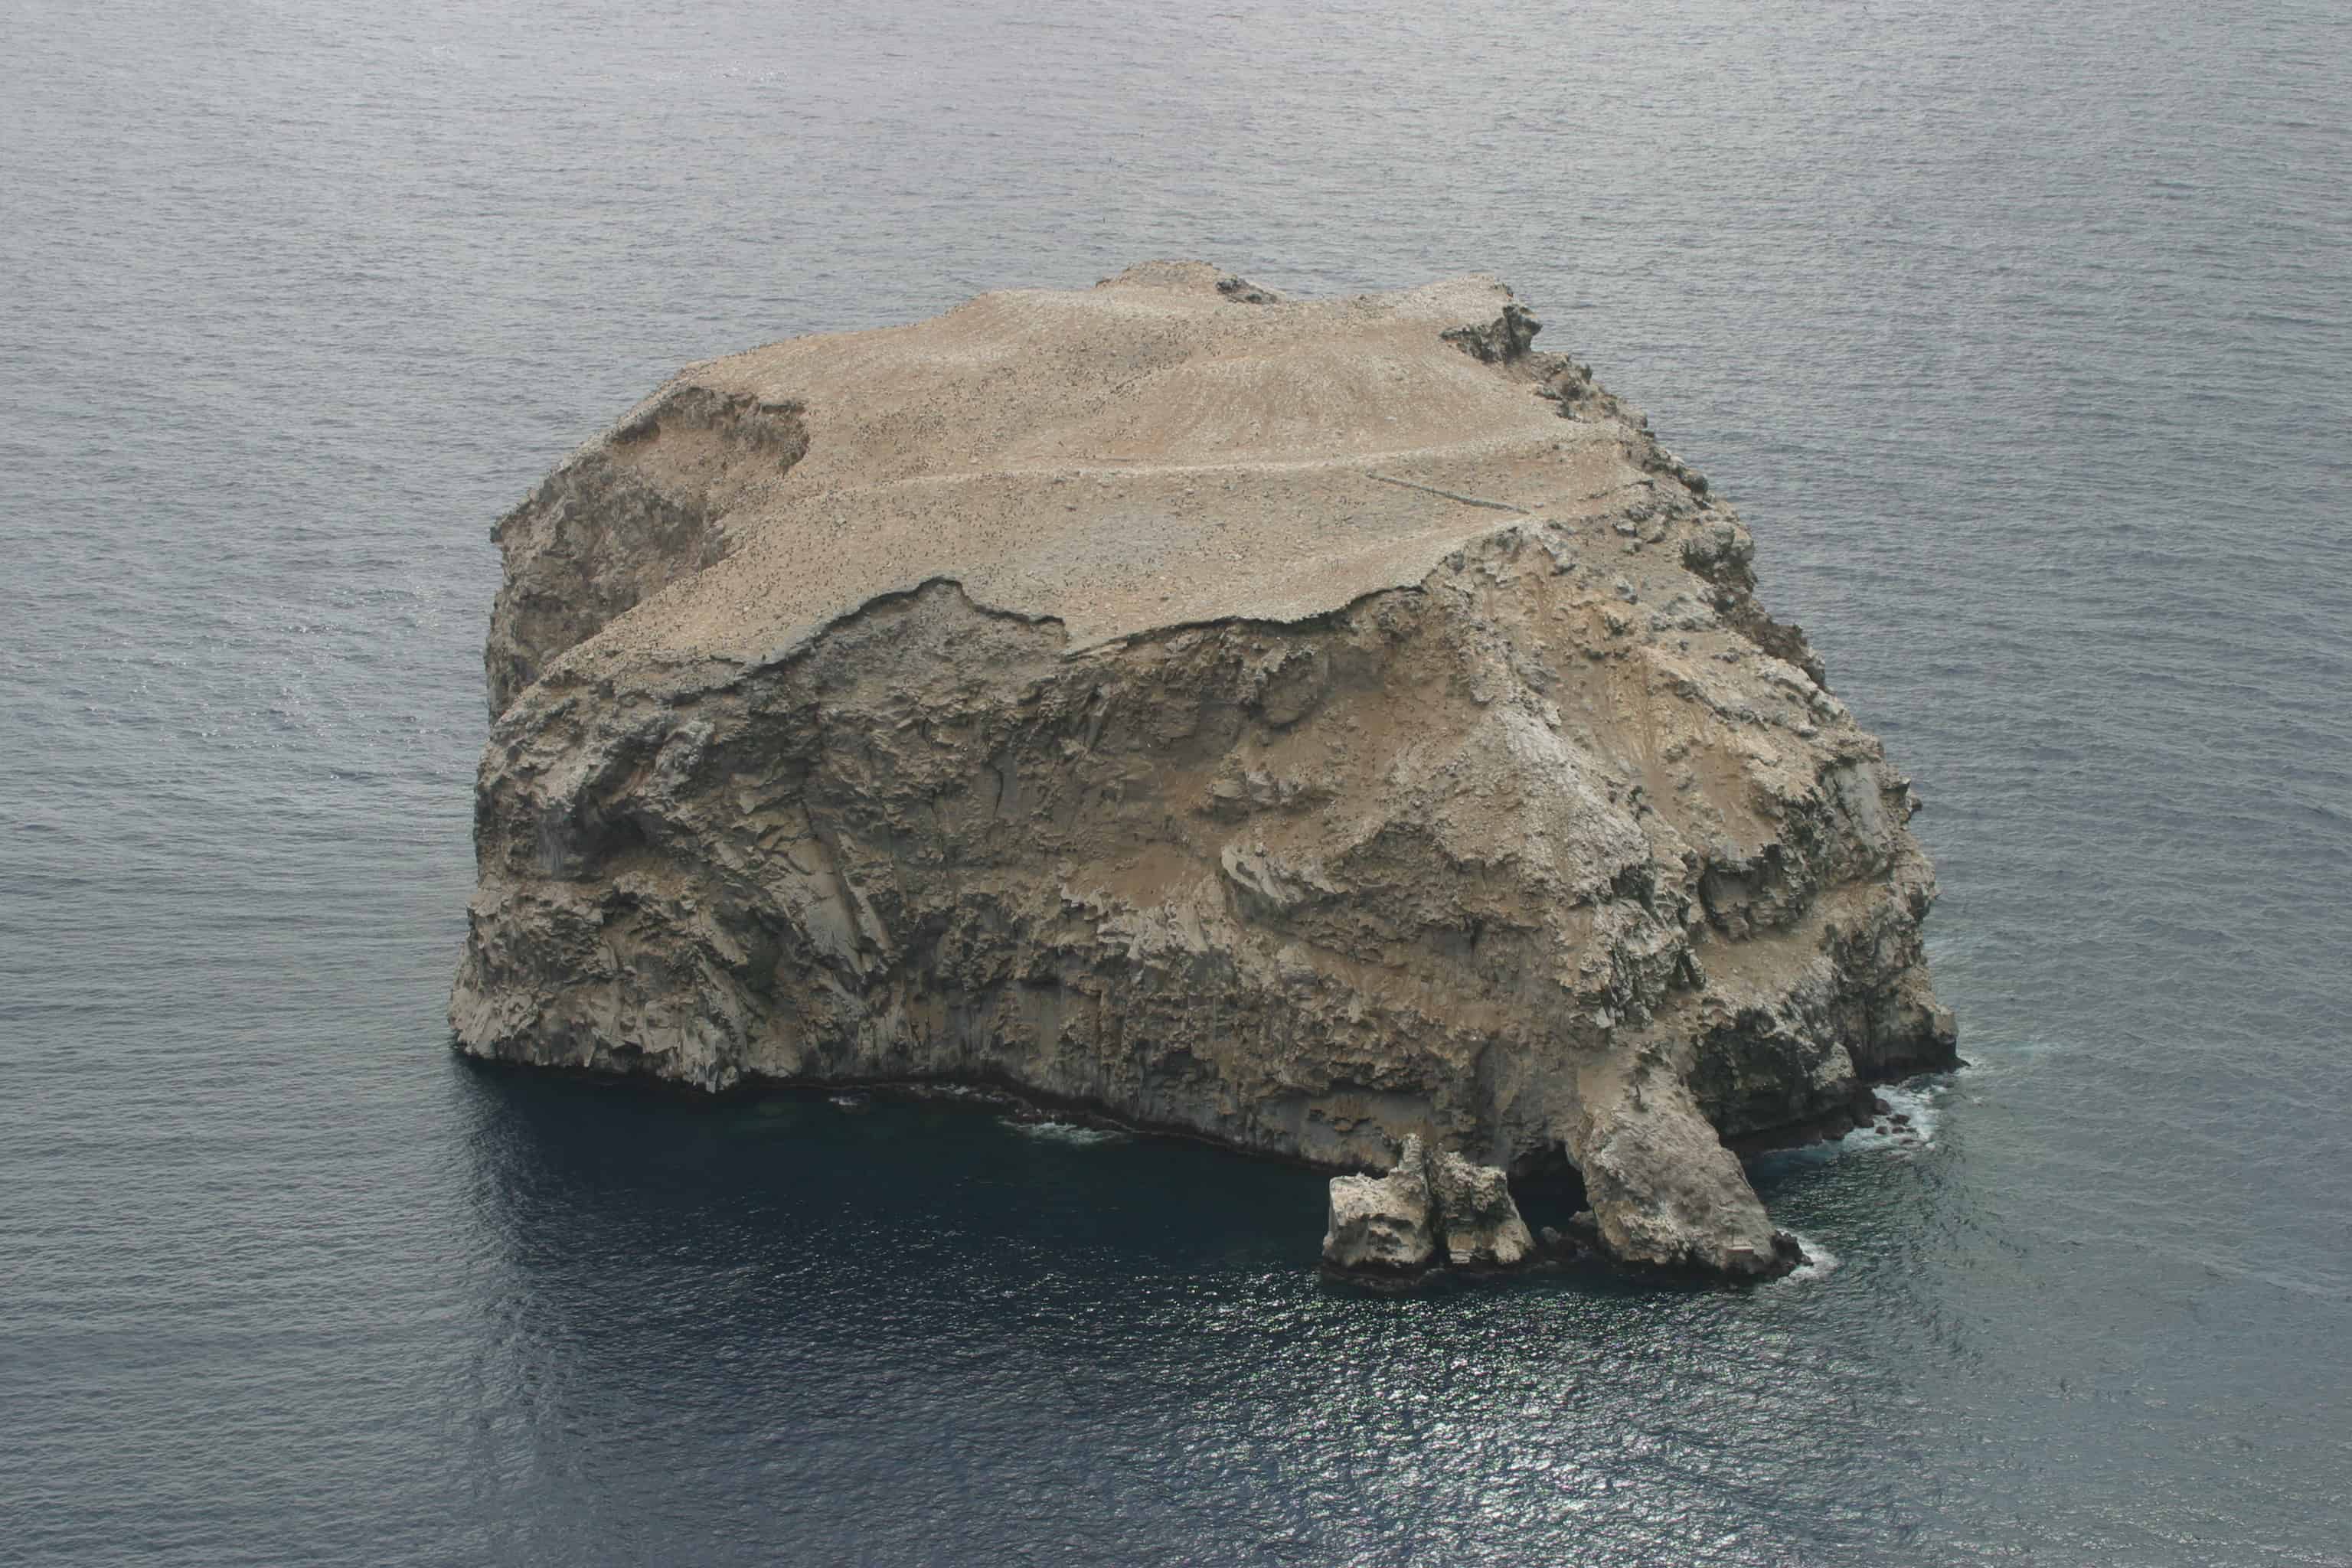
1308 724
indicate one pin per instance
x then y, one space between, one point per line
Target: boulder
1384 1223
1481 1224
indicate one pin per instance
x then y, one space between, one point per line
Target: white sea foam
1921 1101
1067 1132
1820 1261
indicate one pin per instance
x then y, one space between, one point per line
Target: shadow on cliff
573 1170
569 1168
580 1180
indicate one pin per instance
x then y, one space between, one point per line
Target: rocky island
1332 728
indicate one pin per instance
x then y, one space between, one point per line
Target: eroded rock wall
1442 862
1560 843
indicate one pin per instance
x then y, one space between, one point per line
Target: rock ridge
1311 725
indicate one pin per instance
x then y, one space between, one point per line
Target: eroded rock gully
1302 724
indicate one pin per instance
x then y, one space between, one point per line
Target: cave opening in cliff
1548 1187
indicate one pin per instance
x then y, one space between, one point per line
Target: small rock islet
1333 728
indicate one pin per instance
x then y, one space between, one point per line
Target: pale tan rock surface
1384 1223
1481 1223
1399 1223
1302 724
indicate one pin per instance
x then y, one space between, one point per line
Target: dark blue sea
2021 333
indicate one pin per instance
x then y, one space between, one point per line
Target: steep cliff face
1304 724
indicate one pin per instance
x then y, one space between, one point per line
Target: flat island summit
1333 728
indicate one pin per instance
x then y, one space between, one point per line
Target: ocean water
2020 335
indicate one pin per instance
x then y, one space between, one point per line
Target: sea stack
1308 724
1397 1224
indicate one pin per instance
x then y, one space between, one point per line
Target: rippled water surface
2018 332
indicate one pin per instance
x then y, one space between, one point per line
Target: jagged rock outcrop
1399 1223
1477 1216
1304 724
1384 1223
